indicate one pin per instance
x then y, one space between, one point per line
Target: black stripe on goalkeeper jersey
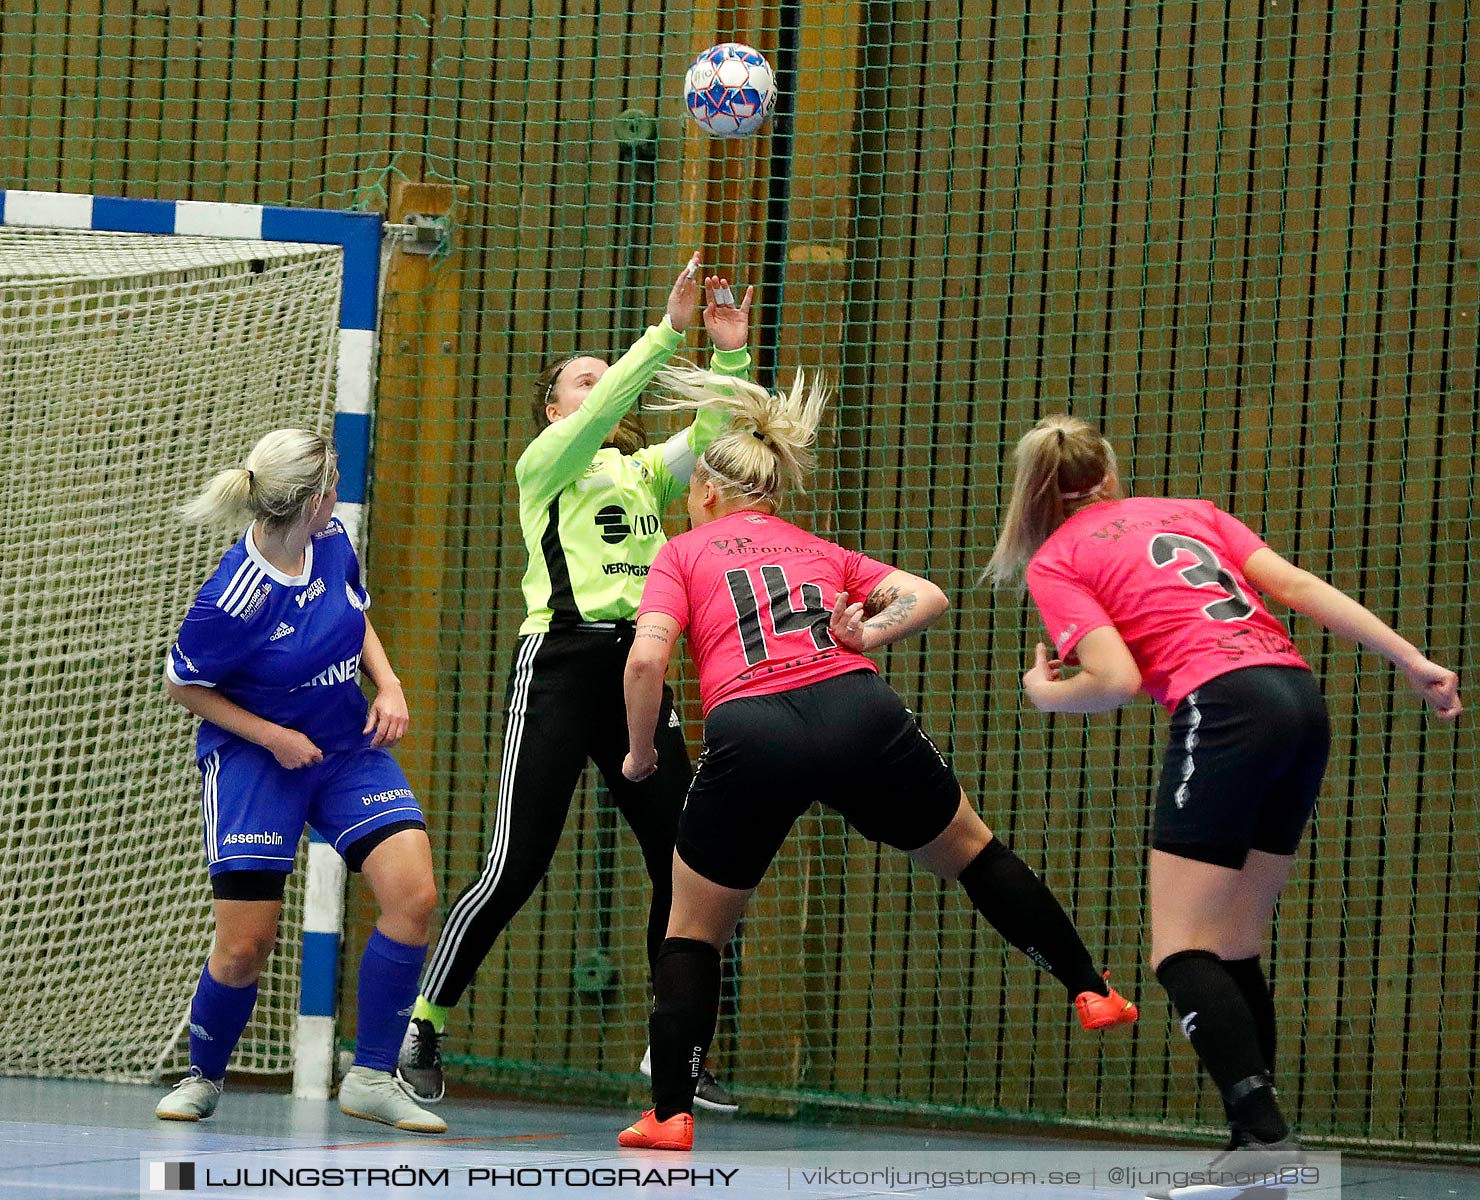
563 608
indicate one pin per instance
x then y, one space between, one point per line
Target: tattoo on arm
879 599
896 612
656 632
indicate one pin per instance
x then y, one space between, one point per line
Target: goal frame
358 234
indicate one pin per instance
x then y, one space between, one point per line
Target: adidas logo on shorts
282 631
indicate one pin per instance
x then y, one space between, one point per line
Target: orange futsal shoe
649 1133
1101 1012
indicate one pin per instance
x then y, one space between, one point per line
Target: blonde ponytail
285 470
769 447
1061 465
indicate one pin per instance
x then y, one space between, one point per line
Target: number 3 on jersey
812 617
1206 571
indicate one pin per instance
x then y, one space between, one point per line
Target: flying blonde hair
769 448
275 484
1062 464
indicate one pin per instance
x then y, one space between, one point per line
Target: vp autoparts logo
172 1177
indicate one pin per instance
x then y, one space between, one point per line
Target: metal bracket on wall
421 234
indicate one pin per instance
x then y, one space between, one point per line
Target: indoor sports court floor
73 1139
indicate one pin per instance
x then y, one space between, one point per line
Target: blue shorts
254 810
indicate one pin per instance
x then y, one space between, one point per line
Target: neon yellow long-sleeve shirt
592 516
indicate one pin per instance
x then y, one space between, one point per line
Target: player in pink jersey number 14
779 622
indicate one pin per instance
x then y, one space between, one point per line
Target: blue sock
389 971
218 1014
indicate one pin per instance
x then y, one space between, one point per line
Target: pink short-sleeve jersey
1169 576
755 595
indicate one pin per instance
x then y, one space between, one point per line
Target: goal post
144 343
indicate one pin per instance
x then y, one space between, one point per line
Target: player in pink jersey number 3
1162 596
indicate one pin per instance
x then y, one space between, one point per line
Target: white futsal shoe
380 1096
194 1098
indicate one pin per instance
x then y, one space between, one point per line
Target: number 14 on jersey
775 593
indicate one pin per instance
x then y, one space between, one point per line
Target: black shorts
1247 753
848 742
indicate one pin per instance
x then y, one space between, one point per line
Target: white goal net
131 367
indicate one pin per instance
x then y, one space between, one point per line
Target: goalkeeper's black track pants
564 706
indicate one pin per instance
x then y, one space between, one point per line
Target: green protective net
1240 237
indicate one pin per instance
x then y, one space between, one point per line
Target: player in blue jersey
269 658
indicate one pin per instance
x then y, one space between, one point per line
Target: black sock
1259 996
1022 909
1218 1023
685 1006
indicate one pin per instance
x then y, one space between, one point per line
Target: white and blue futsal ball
730 90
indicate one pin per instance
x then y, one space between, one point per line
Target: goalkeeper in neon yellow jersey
591 502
